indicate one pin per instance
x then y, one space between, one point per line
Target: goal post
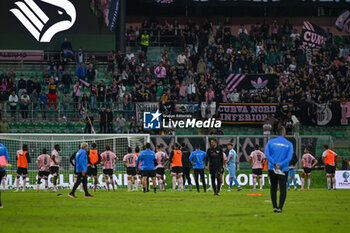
69 144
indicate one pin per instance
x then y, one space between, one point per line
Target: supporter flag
313 36
113 14
250 82
343 22
108 9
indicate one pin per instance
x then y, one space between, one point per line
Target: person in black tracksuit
186 166
72 161
215 158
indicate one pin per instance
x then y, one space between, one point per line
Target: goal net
69 144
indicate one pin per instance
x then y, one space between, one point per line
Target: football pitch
317 210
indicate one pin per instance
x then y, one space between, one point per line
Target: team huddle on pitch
148 164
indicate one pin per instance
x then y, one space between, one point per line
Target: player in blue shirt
3 152
148 163
278 151
197 159
232 159
81 165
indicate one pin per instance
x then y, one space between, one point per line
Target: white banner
342 179
66 181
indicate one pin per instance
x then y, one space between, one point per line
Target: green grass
317 210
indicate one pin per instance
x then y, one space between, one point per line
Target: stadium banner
333 114
21 55
312 36
251 82
343 22
342 178
145 107
246 113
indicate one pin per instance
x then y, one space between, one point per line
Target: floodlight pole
120 29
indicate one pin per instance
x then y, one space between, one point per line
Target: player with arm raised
308 162
4 159
197 158
215 160
278 151
175 160
329 158
129 162
231 166
256 160
23 159
291 173
55 165
147 158
107 162
43 164
93 159
161 158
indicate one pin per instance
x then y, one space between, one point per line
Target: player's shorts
131 171
54 170
176 170
307 170
22 171
91 171
232 171
108 172
291 172
148 173
330 169
257 171
43 174
160 171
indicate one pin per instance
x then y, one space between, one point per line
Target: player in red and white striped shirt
308 162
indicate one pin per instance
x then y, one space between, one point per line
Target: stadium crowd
211 52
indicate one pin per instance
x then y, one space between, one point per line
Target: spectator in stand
127 103
4 126
129 55
81 71
109 120
182 59
234 97
267 127
51 66
242 34
34 99
22 86
53 93
93 94
103 120
144 42
43 100
24 105
111 59
91 74
101 93
79 57
66 80
66 100
67 49
121 123
13 100
3 99
160 71
76 94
